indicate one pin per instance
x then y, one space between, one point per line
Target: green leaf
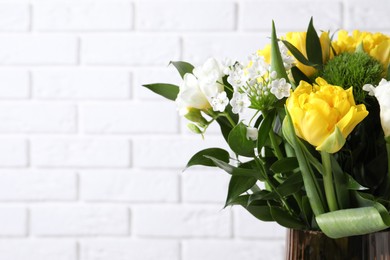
352 184
237 186
276 57
312 187
298 75
239 143
234 170
388 73
200 158
224 123
285 165
291 185
283 218
297 54
313 45
262 195
352 222
194 115
265 127
182 67
258 209
194 128
168 91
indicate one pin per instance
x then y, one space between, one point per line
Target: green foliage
182 67
200 158
239 143
313 46
353 70
168 91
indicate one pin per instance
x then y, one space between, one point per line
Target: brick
38 49
81 84
181 221
205 186
291 15
13 152
79 220
247 226
14 17
364 15
35 249
129 117
83 16
129 185
170 152
186 16
120 49
14 84
80 152
121 249
13 221
233 250
24 117
37 185
144 76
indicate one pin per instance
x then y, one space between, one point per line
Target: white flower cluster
253 82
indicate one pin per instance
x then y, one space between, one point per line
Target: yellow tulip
324 114
375 44
298 39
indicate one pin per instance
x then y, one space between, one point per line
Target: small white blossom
259 67
251 133
220 102
280 88
382 94
237 77
288 60
239 102
227 65
273 74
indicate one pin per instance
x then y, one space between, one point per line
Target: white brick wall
90 162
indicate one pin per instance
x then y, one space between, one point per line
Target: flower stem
328 182
229 118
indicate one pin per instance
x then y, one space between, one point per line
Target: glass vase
315 245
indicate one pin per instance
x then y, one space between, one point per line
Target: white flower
251 133
280 88
239 102
220 102
227 64
288 60
198 89
237 77
382 94
258 66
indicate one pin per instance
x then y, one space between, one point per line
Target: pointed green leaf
276 57
297 54
298 75
265 127
258 209
200 158
340 184
283 218
388 73
237 186
313 45
168 91
194 128
285 165
182 67
234 170
291 185
239 143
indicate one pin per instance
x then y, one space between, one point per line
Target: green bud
194 115
194 128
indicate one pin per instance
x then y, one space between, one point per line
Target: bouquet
307 120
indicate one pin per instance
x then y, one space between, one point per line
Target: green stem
275 145
229 119
330 193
